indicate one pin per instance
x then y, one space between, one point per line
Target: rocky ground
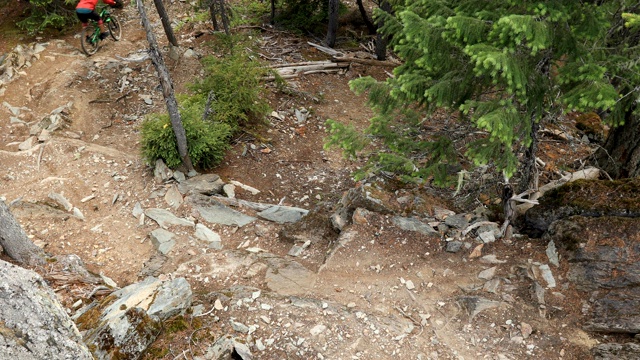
401 280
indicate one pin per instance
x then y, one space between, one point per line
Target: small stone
318 329
218 305
27 144
487 237
266 307
453 246
547 275
491 259
239 327
295 251
351 305
552 254
78 214
488 274
526 330
76 304
492 286
229 190
409 285
255 294
259 345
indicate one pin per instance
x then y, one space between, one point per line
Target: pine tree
507 67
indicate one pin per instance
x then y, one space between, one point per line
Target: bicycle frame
105 15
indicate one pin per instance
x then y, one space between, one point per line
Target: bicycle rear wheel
114 28
90 39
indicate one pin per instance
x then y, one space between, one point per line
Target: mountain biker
86 11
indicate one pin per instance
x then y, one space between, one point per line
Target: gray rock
165 218
488 274
34 324
206 184
162 240
61 200
547 275
538 293
475 305
27 144
217 213
131 321
137 210
458 221
173 197
295 251
364 196
227 347
492 286
614 351
605 268
229 190
161 172
283 214
412 224
441 213
491 259
205 234
552 254
239 327
453 246
179 176
487 237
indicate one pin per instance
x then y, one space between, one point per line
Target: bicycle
90 36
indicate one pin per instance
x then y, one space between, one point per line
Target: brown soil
98 155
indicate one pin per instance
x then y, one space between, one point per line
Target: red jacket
91 4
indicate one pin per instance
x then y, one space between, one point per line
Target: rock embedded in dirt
615 198
283 214
215 212
165 218
613 351
602 254
161 172
211 237
458 221
453 246
163 240
206 184
34 324
413 224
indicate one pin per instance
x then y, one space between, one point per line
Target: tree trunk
334 6
167 89
620 156
218 7
15 241
529 161
370 26
166 24
382 40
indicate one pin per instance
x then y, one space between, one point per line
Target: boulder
603 262
34 325
125 323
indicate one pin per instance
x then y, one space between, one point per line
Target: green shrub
207 141
235 81
238 102
44 14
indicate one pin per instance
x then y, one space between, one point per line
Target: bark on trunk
365 17
166 24
382 40
167 89
15 241
529 161
334 5
620 156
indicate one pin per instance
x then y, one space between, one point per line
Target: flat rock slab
211 237
628 351
283 214
289 277
412 224
34 324
206 184
163 240
166 218
221 214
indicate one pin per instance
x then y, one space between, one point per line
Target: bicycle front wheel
90 39
114 28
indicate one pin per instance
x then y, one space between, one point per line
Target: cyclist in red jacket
86 11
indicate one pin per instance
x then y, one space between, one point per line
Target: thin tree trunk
167 89
529 158
370 26
334 6
620 156
15 241
273 12
382 40
166 24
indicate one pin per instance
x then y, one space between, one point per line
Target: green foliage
44 14
237 101
235 80
502 65
207 141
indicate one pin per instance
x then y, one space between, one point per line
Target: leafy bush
48 14
234 80
232 91
207 141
